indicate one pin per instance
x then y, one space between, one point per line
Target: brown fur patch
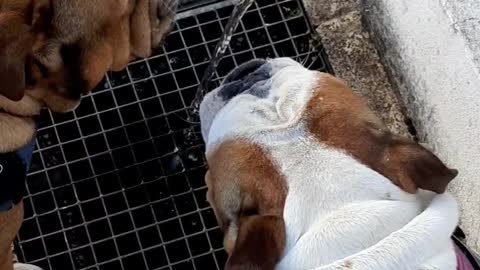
247 193
15 46
340 119
160 19
9 226
260 243
141 41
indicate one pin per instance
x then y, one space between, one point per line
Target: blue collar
14 167
25 154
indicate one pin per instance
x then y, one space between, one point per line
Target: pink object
462 261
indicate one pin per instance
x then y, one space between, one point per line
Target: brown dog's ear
16 42
259 244
411 166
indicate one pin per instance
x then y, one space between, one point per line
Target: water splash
222 45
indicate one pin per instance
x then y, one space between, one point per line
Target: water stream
222 45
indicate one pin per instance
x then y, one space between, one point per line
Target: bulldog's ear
259 244
412 166
16 43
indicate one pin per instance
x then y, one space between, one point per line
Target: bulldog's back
335 206
304 173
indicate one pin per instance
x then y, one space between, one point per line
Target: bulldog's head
267 103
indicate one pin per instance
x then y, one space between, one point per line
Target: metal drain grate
192 4
119 183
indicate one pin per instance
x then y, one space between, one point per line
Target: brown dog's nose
166 8
162 17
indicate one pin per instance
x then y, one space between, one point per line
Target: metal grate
119 183
192 4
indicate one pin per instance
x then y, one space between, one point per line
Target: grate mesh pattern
191 4
118 183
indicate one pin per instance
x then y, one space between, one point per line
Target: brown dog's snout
162 16
166 8
72 44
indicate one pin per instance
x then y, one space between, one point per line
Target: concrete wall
354 58
431 50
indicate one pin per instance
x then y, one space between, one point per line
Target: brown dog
54 51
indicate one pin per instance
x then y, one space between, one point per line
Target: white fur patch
280 112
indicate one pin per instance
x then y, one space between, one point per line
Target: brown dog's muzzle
72 44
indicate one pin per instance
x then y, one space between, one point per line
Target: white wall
433 62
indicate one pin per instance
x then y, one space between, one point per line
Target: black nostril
244 70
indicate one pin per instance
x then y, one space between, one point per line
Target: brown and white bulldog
303 175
